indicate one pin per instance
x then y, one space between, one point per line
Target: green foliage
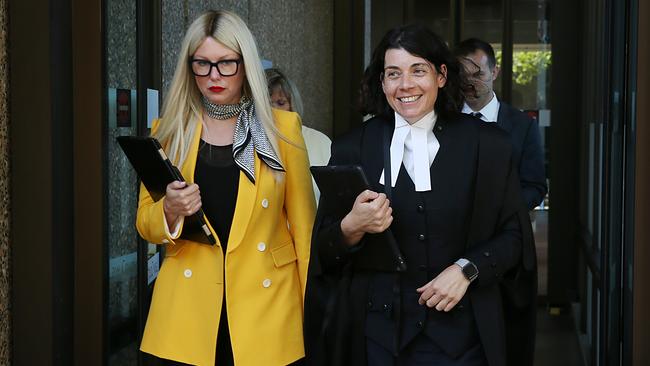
527 64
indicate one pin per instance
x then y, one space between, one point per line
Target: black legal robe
474 210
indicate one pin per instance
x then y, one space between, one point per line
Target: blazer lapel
190 162
440 160
451 157
372 157
503 119
189 167
246 198
246 193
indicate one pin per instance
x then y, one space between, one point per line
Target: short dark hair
471 45
420 41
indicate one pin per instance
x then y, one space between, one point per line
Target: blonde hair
277 79
182 106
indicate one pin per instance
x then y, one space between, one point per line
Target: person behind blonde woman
239 301
285 96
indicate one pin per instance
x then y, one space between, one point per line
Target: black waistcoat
430 242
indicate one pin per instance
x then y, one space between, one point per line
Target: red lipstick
216 89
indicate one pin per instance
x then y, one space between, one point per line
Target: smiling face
411 84
216 88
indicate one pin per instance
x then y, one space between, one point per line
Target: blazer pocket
174 250
284 254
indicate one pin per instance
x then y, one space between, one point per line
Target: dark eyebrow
420 64
412 66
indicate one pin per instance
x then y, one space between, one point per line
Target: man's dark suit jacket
528 152
474 168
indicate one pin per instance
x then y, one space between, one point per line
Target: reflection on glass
121 183
484 20
531 79
531 63
531 82
153 262
434 14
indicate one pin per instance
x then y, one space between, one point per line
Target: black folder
340 185
156 171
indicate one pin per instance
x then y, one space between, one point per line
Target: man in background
479 70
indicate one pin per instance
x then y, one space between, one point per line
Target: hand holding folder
149 160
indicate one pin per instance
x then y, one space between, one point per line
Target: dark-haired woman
444 184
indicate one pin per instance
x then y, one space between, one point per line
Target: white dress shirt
489 113
416 146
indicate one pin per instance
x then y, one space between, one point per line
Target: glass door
149 41
530 88
131 97
607 204
121 183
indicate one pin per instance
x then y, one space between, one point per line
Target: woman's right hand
181 199
371 213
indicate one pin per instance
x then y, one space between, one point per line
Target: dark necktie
477 114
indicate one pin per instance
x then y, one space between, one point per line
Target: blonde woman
239 301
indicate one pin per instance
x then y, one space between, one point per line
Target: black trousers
520 333
422 352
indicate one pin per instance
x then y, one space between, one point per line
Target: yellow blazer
265 266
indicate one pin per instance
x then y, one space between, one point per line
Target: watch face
470 270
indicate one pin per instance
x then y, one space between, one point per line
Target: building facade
75 279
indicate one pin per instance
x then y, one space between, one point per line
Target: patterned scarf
250 136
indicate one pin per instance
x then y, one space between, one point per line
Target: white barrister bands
416 146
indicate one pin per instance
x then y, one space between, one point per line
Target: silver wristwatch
469 269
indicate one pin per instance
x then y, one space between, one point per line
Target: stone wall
5 251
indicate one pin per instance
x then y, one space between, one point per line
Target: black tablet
342 183
151 163
339 186
156 171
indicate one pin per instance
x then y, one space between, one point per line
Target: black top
218 178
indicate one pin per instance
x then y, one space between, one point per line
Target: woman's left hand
444 291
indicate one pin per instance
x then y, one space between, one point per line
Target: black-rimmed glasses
224 67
